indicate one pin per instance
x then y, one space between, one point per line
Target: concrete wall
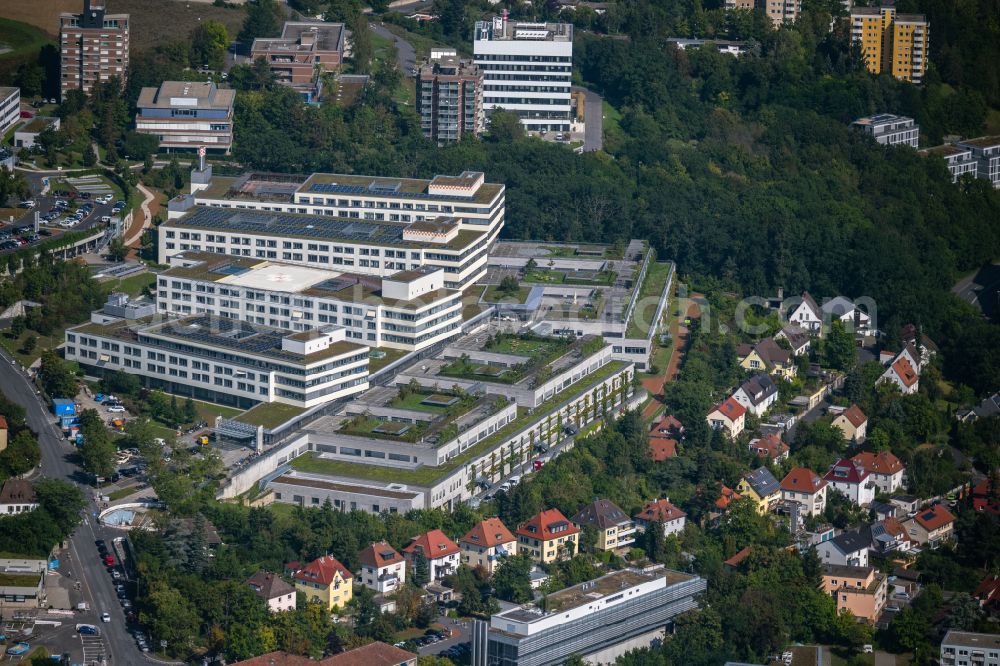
247 478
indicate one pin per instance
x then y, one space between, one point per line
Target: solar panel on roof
928 515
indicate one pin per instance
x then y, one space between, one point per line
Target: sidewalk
680 335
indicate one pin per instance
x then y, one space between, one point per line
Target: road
406 56
81 561
982 290
593 117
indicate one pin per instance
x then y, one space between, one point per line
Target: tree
362 50
421 570
190 411
209 42
839 346
264 19
57 380
512 579
171 617
89 156
29 344
117 250
20 456
505 127
97 451
62 501
16 326
509 285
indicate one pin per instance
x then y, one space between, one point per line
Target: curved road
406 56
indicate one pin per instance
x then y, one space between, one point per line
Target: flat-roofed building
449 97
527 69
93 47
599 620
891 43
889 130
408 310
22 585
965 648
185 115
10 108
861 591
304 48
958 160
986 152
225 361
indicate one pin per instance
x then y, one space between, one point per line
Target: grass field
44 342
494 295
17 38
133 285
649 293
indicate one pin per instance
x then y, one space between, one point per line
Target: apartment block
986 151
958 160
304 49
861 591
891 43
408 310
224 361
527 69
964 648
186 115
599 620
449 97
94 47
615 530
10 108
779 11
889 130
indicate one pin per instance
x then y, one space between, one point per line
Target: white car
116 409
105 218
105 617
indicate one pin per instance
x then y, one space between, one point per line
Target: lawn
20 38
17 580
544 276
421 45
494 295
123 492
269 414
527 346
612 117
207 411
388 356
44 342
133 285
415 401
649 295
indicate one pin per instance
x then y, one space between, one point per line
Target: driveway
593 117
406 56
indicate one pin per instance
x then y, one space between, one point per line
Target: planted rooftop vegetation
540 351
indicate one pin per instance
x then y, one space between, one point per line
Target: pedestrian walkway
681 337
93 648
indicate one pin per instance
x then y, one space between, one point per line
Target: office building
964 648
958 160
304 49
409 310
10 108
185 115
527 69
891 43
449 97
986 152
93 47
889 130
599 620
224 361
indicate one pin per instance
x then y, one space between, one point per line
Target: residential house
486 543
910 335
853 423
372 654
729 416
273 590
807 315
931 527
667 426
798 339
804 487
770 446
988 594
902 374
761 486
726 497
847 548
767 356
851 480
325 580
443 554
17 496
615 529
662 449
757 394
734 562
984 499
548 537
886 469
908 504
861 591
843 309
663 512
883 510
664 434
3 433
889 536
382 568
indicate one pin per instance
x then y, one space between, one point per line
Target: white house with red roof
851 480
769 446
804 487
443 554
486 543
887 471
902 374
931 527
663 512
382 568
730 416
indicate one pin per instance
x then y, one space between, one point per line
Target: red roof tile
433 544
846 471
379 555
488 533
769 446
549 524
661 448
660 511
934 517
3 422
728 495
735 560
730 409
323 571
905 371
854 415
802 480
883 462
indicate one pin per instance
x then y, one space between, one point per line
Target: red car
109 561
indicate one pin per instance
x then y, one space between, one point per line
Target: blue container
63 407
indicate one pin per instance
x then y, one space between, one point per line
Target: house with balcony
382 568
615 530
486 544
548 537
861 591
804 487
964 648
760 486
889 536
729 416
661 511
885 469
442 554
852 480
325 581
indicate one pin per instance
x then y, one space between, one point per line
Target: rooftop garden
648 300
539 349
269 414
584 278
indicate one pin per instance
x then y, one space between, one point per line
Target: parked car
116 409
109 560
19 648
105 617
88 629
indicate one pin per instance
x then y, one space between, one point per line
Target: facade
486 543
890 130
964 648
730 416
382 568
847 549
614 528
804 487
93 47
782 11
4 432
219 360
663 512
186 115
326 581
17 496
10 108
760 486
798 339
958 160
767 356
26 135
527 70
449 98
986 151
890 43
852 480
409 310
861 591
806 315
304 48
22 585
273 590
599 620
548 537
441 552
886 469
930 527
853 423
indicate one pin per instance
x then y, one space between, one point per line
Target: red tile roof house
988 594
443 554
382 568
769 446
902 374
486 543
804 487
372 654
983 499
663 512
851 480
727 496
663 436
548 536
730 416
886 470
931 527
